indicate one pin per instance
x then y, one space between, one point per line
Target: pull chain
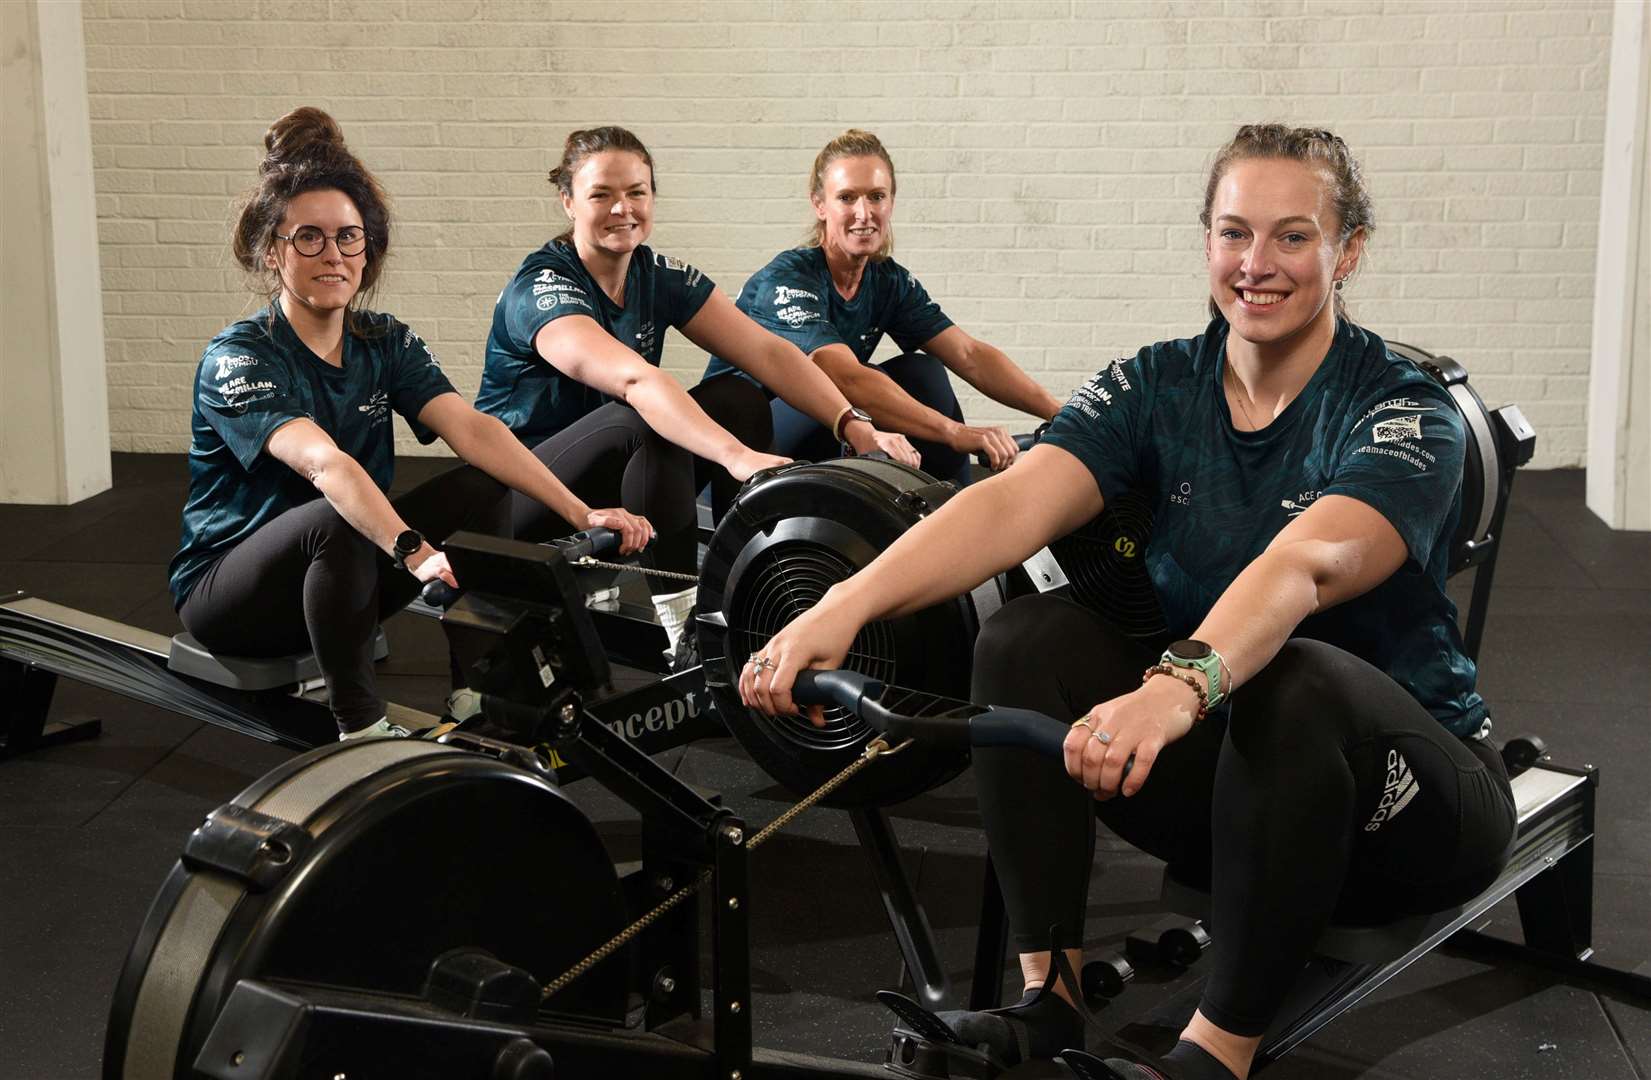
671 575
874 749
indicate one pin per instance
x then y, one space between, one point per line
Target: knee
1297 700
739 405
924 378
1019 638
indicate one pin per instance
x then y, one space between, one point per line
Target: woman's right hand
818 638
995 442
749 461
431 567
633 529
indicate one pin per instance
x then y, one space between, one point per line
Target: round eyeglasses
310 241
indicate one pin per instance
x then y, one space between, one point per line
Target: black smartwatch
407 545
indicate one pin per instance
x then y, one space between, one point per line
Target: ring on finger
1085 722
1102 737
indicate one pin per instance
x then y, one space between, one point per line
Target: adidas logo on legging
1401 787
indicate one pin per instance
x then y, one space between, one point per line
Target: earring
1338 284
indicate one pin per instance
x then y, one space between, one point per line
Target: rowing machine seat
189 657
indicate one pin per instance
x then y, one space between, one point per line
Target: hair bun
302 133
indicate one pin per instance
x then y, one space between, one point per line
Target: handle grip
845 688
593 541
439 594
1023 443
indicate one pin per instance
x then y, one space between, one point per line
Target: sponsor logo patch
227 364
1300 503
1398 790
377 408
784 294
1397 429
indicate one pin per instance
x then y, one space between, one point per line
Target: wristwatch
1194 655
407 545
847 417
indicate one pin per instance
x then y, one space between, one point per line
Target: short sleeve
244 391
789 304
916 319
533 300
1404 459
415 378
1104 425
683 289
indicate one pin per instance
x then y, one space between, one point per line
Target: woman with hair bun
573 359
838 294
1313 745
294 403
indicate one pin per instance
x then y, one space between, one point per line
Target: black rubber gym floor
88 831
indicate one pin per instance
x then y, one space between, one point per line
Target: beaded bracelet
1176 673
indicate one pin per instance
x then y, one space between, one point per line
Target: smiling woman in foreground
1312 745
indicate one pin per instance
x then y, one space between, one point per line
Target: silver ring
1102 737
761 663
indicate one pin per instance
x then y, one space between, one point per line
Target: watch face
409 542
1189 650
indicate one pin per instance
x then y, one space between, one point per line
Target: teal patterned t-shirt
1368 425
520 387
255 376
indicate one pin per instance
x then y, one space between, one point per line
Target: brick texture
1050 156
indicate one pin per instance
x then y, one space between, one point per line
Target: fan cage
1105 563
780 584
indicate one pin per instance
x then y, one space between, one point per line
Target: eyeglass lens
310 240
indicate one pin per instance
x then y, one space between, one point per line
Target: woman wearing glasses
295 402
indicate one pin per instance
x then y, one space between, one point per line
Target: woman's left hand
896 446
1138 724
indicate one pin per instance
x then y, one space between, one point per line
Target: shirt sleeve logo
1397 429
1093 396
407 339
240 391
671 262
227 364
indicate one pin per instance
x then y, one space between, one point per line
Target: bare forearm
891 408
999 378
949 552
346 485
799 383
1259 611
670 411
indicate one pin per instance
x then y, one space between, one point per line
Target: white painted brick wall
1050 154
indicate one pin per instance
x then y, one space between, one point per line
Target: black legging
1279 808
308 581
611 456
800 436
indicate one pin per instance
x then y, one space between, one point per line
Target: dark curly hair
304 151
1316 147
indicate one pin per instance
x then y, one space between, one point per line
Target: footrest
189 657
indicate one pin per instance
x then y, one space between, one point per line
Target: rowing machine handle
593 541
1023 443
439 594
853 691
845 688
